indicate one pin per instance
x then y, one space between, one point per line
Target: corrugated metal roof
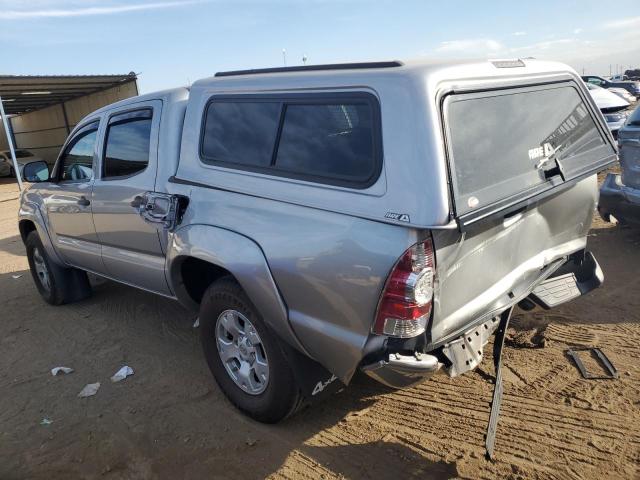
25 93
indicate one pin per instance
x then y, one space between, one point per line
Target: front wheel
244 356
57 285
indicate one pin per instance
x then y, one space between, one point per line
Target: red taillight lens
405 304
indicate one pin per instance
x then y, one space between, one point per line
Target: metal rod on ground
12 149
496 401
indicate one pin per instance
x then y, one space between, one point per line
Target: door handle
83 202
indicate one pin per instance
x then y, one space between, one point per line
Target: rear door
131 249
522 164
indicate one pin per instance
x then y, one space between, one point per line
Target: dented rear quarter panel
329 268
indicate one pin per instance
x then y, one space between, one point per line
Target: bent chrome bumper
401 371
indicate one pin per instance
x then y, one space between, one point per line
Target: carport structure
45 108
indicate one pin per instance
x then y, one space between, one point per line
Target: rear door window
505 143
127 144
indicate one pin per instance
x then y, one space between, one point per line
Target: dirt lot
170 420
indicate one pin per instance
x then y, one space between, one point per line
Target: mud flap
316 382
498 344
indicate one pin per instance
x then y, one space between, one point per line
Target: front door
131 249
68 201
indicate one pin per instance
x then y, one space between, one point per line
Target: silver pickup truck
326 219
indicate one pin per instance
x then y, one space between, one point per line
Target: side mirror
36 172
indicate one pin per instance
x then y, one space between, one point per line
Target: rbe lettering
401 217
545 150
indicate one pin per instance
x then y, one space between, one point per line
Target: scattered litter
601 358
15 277
46 421
251 442
89 390
121 374
55 371
196 324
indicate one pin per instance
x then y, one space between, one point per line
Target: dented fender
242 257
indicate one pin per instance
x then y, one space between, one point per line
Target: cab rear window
508 143
332 139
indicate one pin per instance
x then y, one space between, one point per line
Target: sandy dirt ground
170 420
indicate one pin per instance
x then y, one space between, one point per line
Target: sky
172 43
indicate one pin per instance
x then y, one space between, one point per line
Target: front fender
244 259
30 211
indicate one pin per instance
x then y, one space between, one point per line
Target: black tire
65 285
12 172
281 397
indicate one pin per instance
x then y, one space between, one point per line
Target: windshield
505 142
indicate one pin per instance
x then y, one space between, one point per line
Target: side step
557 290
576 277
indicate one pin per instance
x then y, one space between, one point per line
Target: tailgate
522 166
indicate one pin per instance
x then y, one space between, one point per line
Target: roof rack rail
311 68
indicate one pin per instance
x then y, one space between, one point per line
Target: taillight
407 298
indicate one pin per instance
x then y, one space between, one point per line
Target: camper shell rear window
514 143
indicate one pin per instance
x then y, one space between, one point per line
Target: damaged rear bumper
402 371
578 275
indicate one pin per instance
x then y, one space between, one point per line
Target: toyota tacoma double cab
328 219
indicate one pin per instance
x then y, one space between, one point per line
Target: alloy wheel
242 352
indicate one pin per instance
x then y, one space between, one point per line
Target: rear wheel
56 284
244 356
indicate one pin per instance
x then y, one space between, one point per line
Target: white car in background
611 106
622 93
22 157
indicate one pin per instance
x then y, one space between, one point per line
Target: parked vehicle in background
620 194
619 78
633 87
612 107
622 93
317 233
633 74
22 157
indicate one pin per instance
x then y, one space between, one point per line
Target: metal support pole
7 130
66 120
